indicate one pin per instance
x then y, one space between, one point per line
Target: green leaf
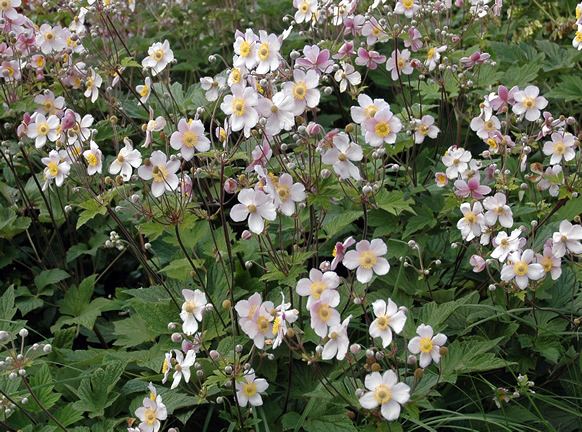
68 415
96 392
50 277
327 423
7 309
132 331
569 89
42 384
468 356
520 75
394 202
91 208
181 269
11 224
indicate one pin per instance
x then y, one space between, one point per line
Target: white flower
159 55
367 109
150 414
305 10
303 90
50 39
92 84
382 128
48 103
407 8
126 160
267 52
577 41
497 209
433 57
317 284
144 90
368 258
94 159
256 206
323 314
567 239
388 318
472 222
385 392
399 63
240 107
43 128
255 318
182 367
457 161
338 343
81 131
212 86
347 75
341 156
56 169
283 316
485 128
153 125
192 309
529 102
245 49
189 137
427 345
166 366
278 111
506 244
8 9
519 267
162 173
286 193
249 390
425 127
560 147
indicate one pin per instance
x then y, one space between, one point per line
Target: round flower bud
23 332
147 246
379 355
176 337
199 373
369 353
238 348
327 91
418 374
411 360
355 348
359 393
214 355
230 186
228 370
171 326
4 335
12 376
226 304
219 400
246 235
491 287
271 356
318 349
248 265
24 401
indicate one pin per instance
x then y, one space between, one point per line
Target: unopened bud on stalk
226 304
176 337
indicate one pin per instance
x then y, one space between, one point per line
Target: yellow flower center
40 62
53 169
158 54
529 102
4 4
145 90
342 157
520 268
235 75
189 139
441 178
304 7
376 31
283 192
547 263
160 173
423 129
371 110
48 106
324 312
49 36
43 128
431 53
245 49
578 36
249 389
504 243
263 324
492 143
471 217
299 90
317 288
401 62
425 344
264 51
120 158
407 3
165 367
92 159
383 322
190 306
90 82
368 259
382 394
559 148
252 208
150 416
276 325
382 129
238 107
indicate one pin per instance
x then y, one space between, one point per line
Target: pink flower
316 59
476 58
323 314
478 263
261 155
339 251
529 103
368 258
414 41
256 206
504 98
353 25
399 63
371 59
346 50
549 261
373 31
471 187
520 269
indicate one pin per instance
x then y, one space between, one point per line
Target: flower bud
246 235
226 304
418 374
23 333
355 348
176 337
